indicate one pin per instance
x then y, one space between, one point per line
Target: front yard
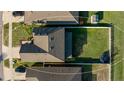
89 43
20 32
18 63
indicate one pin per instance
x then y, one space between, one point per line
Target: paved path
1 63
10 46
15 52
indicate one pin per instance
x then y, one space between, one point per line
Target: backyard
89 43
95 72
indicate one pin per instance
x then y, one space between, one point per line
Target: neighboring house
48 45
51 17
54 74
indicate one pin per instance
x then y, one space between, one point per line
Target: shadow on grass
79 39
87 74
37 64
100 15
82 60
83 17
114 52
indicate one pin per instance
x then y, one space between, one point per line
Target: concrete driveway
15 52
14 19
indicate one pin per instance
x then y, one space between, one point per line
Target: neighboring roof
54 44
55 73
52 17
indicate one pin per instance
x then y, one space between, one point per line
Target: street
1 64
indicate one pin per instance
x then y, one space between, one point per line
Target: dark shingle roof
31 48
45 30
56 42
56 73
56 17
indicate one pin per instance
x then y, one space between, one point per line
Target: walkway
10 46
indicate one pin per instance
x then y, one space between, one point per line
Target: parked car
20 69
18 13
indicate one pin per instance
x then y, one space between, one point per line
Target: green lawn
18 62
117 19
20 32
96 44
95 72
89 43
6 63
6 36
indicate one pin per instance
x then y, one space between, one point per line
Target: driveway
14 19
15 52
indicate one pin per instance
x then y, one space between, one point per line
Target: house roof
31 48
52 43
45 30
52 17
56 73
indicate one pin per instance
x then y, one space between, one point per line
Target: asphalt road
1 24
1 64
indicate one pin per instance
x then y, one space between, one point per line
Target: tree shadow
87 74
79 38
114 51
83 60
37 64
100 15
83 17
105 57
87 60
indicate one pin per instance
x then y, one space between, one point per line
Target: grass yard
117 19
6 63
95 72
20 32
97 43
18 62
6 35
90 43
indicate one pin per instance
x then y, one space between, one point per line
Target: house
51 17
48 45
54 74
